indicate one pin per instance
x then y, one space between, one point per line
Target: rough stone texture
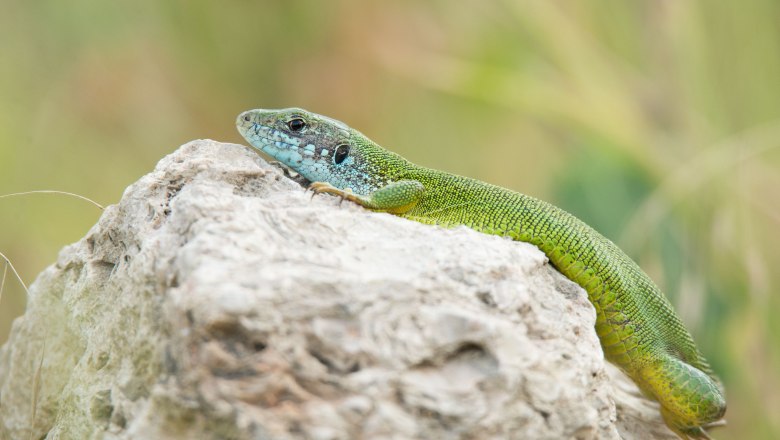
216 301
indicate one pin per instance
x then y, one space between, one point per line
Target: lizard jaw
274 142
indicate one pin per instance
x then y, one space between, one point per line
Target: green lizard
638 329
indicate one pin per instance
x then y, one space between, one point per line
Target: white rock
217 301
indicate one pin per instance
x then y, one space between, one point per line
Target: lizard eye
296 124
342 151
246 118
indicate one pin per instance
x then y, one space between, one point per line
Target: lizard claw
325 187
321 187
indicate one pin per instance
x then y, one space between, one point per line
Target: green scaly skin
638 329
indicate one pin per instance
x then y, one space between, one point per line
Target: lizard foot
327 188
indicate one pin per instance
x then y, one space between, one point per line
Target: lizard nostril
246 118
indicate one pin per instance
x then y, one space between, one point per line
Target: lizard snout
244 120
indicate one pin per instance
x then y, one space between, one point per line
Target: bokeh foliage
657 122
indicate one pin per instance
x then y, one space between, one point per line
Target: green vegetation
656 122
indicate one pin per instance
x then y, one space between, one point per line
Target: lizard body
638 329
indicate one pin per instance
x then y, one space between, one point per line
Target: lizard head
321 149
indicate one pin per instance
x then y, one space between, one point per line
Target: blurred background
656 122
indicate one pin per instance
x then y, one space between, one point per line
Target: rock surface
216 301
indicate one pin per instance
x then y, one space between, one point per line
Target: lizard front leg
394 198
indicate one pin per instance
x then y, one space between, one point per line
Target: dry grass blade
2 283
8 263
36 390
45 191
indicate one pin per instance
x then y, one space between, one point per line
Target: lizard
637 327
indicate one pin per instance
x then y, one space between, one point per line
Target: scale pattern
637 326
